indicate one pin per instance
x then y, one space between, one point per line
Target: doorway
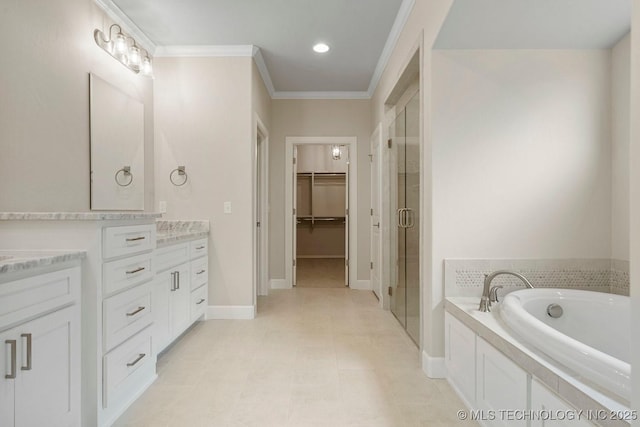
260 210
321 182
321 227
405 178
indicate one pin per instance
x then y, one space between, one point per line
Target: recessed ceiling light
321 48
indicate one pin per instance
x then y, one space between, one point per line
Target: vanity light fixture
125 49
321 48
336 153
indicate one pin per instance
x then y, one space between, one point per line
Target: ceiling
361 34
535 24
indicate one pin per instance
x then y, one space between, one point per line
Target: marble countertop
490 327
12 261
76 216
176 231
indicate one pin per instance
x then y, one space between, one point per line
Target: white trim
233 312
260 285
128 26
361 285
352 142
264 71
433 367
279 284
398 25
205 50
321 95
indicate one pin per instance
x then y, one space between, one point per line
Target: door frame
377 157
352 143
260 152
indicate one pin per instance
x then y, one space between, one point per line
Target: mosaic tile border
465 277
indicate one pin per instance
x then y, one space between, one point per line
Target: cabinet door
501 385
179 298
48 380
544 401
9 343
162 286
460 357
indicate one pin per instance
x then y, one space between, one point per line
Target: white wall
620 141
521 155
48 52
312 117
203 121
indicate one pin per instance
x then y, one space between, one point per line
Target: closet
321 215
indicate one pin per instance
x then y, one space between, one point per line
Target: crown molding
320 95
392 40
128 26
264 71
205 50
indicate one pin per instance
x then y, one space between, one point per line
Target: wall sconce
125 49
336 153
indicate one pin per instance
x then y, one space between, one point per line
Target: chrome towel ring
181 172
126 172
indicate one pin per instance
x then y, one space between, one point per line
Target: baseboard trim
361 285
232 312
433 367
278 284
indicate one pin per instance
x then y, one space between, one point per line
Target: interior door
412 217
346 221
375 251
294 223
398 288
258 213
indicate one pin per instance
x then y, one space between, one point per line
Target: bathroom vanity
40 338
126 284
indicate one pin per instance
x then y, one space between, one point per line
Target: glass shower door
404 133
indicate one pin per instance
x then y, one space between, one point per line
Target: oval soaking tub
591 336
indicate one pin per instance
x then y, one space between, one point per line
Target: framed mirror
117 148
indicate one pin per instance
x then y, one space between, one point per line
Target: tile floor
312 357
320 273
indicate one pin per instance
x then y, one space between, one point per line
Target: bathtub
591 337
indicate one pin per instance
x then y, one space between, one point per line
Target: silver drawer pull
135 239
200 302
199 247
201 271
28 367
139 358
136 311
13 345
137 270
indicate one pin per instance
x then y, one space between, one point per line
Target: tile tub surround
176 231
465 277
557 378
12 261
77 216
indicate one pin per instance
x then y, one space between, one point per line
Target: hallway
312 357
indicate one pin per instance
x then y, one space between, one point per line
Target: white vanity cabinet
40 357
179 289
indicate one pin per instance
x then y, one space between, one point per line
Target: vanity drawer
199 248
25 298
199 272
125 314
128 240
198 302
124 273
122 367
170 256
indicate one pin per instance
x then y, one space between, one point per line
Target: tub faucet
485 301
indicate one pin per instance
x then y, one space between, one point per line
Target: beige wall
634 195
203 121
620 141
48 52
313 117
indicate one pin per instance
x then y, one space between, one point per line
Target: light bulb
147 68
335 152
134 57
120 45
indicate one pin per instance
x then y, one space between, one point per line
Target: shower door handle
410 219
401 218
